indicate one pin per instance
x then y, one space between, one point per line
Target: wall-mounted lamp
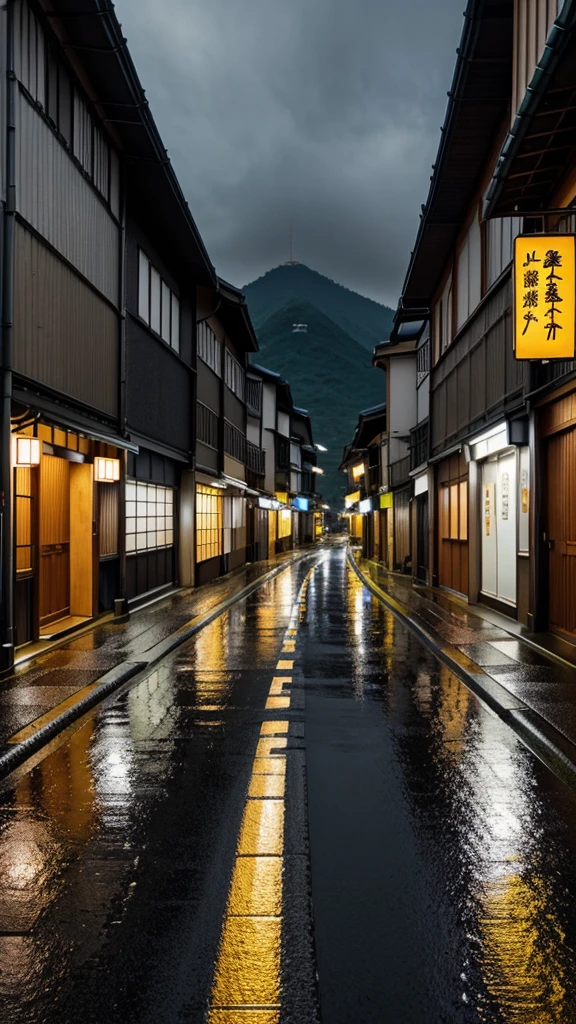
106 471
316 469
26 452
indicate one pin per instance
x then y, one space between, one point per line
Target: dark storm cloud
324 111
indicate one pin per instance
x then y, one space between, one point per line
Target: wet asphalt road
310 775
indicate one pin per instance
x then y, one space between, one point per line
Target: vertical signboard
544 297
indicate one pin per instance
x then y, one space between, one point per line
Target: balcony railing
400 472
234 442
255 459
254 395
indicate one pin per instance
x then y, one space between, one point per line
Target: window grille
234 375
208 347
206 425
158 306
234 442
149 516
209 523
422 363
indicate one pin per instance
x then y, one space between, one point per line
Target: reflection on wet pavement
120 843
55 676
148 864
443 853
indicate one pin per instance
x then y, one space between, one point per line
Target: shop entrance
499 530
65 543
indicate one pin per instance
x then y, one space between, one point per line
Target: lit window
209 523
149 516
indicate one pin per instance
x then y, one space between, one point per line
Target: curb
551 747
128 670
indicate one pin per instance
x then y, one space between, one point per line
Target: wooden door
561 496
54 539
453 535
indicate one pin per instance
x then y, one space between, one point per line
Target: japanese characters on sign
544 297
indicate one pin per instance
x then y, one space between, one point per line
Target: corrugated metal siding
64 335
478 374
54 197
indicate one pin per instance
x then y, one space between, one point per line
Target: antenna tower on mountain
291 262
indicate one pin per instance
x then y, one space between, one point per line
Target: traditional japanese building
224 455
100 265
368 502
499 468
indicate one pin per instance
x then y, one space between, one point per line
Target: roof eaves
140 109
473 19
557 38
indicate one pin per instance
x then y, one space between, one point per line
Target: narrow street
300 816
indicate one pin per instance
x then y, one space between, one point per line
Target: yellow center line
246 986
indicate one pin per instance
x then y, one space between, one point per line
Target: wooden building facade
125 465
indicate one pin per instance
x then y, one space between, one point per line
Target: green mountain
330 375
367 322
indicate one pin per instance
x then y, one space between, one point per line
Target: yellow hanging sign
544 297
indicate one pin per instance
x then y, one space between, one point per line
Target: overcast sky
326 111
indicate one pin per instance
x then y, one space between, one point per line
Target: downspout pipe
8 243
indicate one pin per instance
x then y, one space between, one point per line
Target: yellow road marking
277 683
269 746
248 969
246 987
241 1016
277 703
266 786
256 889
262 830
273 728
269 766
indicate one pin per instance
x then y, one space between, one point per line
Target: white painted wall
423 400
284 424
269 406
402 412
253 430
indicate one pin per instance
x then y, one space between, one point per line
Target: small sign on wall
524 494
544 296
488 504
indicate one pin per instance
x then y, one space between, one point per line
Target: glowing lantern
26 452
106 471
